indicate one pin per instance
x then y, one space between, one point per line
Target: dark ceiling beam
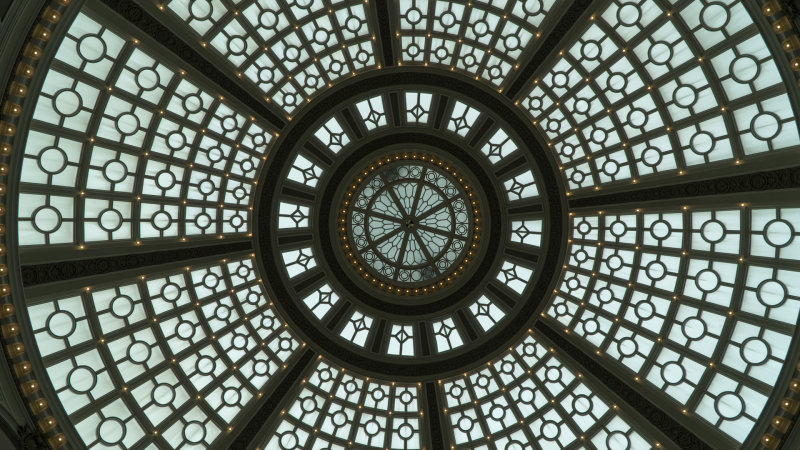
655 415
272 403
553 39
148 24
768 180
385 33
433 410
66 270
4 7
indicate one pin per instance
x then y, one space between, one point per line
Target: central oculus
409 223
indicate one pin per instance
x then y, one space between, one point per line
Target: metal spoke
427 213
397 201
449 234
385 32
785 178
378 215
445 203
418 193
64 271
385 237
401 254
425 251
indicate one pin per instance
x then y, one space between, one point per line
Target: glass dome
412 222
418 224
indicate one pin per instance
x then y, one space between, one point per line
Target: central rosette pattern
410 223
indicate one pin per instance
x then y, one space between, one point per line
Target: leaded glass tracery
288 50
339 409
697 304
484 39
411 222
649 89
357 328
162 358
529 396
136 147
699 320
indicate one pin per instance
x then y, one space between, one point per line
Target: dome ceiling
421 224
416 327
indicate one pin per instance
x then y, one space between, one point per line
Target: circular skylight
411 221
421 224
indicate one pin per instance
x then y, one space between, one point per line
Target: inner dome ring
285 293
410 223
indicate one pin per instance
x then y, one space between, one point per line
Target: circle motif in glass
410 223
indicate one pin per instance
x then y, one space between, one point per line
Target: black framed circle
383 300
409 223
498 184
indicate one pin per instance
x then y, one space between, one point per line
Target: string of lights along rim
413 223
406 225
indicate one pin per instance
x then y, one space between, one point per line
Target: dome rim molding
60 429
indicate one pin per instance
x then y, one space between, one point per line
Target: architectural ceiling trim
22 368
284 150
385 38
160 32
666 424
782 430
434 420
16 23
788 178
35 274
555 36
33 46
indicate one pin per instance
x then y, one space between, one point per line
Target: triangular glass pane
413 255
379 227
405 193
385 204
428 198
433 242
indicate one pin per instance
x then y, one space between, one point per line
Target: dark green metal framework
771 181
